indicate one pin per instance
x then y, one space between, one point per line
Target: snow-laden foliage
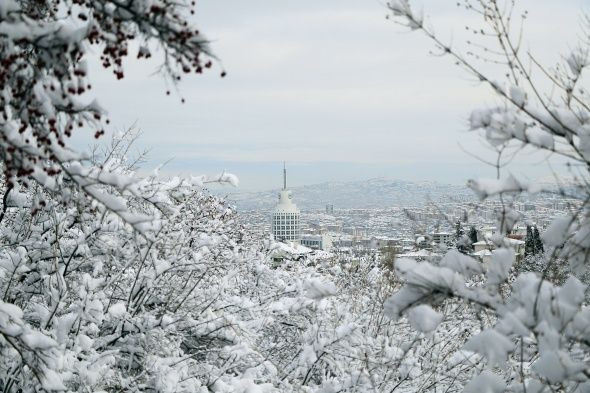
107 281
114 282
328 332
122 295
534 336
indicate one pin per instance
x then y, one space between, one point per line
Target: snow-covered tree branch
536 340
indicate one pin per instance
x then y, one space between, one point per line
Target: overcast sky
329 86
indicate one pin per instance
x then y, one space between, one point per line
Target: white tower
285 217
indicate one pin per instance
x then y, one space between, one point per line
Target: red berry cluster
42 76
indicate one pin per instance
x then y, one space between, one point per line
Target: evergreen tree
473 235
537 242
463 245
459 232
529 245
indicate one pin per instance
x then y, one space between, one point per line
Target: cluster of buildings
286 222
421 232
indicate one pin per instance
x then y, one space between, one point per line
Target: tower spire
284 176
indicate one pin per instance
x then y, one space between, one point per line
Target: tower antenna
284 176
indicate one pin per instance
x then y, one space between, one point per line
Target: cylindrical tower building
285 224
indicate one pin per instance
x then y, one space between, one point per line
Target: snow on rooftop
289 248
419 254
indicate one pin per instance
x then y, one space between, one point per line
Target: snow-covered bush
325 330
534 334
108 281
134 294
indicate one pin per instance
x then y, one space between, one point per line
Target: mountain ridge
377 192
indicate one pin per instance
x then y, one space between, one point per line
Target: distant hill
372 193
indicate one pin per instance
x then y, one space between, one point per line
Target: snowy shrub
108 281
533 335
342 341
132 294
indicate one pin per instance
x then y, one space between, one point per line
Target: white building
483 248
317 242
442 238
285 225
